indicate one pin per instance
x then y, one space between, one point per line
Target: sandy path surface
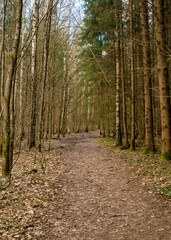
95 195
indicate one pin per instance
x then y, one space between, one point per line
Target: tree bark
3 50
123 86
65 102
23 32
6 166
118 120
149 139
45 67
32 140
162 61
132 146
60 113
2 67
12 120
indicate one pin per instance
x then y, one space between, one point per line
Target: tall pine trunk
23 32
162 61
118 118
123 86
132 146
147 77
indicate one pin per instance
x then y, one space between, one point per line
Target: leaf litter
86 192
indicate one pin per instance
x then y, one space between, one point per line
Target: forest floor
86 192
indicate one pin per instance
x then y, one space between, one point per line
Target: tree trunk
162 61
88 110
45 67
32 140
60 113
102 120
65 103
3 50
23 32
132 146
2 67
123 86
12 119
6 166
147 78
118 121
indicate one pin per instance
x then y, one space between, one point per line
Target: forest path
96 195
87 193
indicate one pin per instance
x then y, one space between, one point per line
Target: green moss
3 142
5 170
132 145
4 152
11 56
146 151
1 147
165 156
7 129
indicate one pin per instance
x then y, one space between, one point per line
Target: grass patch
156 170
108 142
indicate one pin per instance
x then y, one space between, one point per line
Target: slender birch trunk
32 140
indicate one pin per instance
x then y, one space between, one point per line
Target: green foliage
97 40
31 171
108 142
166 191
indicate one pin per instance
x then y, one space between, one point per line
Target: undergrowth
156 171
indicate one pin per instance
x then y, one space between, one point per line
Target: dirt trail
87 193
96 195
